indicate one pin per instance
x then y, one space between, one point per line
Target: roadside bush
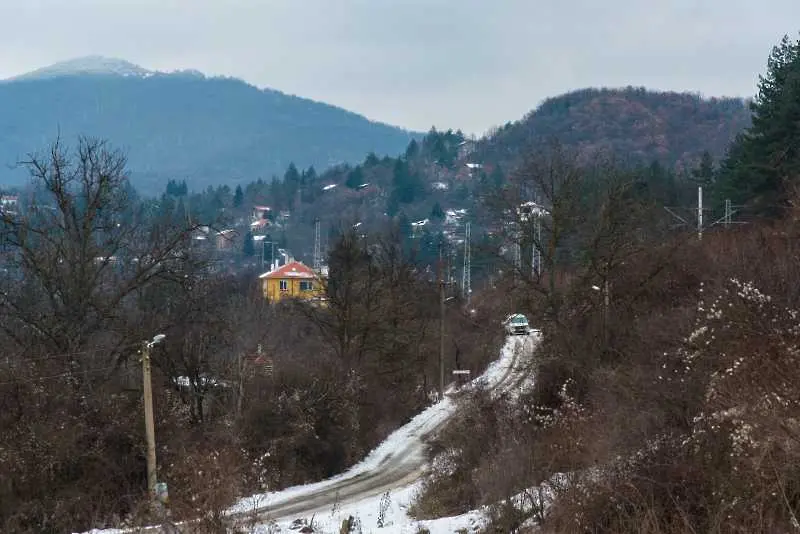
730 464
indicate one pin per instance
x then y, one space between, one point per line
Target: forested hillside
634 124
664 395
662 400
183 125
673 140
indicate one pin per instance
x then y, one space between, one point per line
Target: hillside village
174 355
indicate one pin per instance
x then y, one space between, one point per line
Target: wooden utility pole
441 325
149 425
240 388
699 212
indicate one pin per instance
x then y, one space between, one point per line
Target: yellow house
292 280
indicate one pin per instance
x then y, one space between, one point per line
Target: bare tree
350 316
84 258
540 210
80 248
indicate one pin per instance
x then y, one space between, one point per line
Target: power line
86 372
57 355
699 210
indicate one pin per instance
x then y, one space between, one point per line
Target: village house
8 204
258 364
226 239
259 226
293 280
261 212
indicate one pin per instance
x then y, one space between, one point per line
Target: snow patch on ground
418 427
379 514
386 512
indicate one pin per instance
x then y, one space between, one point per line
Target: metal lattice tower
317 247
466 281
728 212
536 259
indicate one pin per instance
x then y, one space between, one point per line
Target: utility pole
263 252
536 243
700 212
517 251
726 219
149 425
606 302
317 246
268 239
466 277
728 213
240 386
441 324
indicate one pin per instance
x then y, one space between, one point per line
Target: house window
305 286
284 284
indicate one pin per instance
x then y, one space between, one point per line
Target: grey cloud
470 64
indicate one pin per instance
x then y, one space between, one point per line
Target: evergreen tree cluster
762 167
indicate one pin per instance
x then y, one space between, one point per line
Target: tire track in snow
397 469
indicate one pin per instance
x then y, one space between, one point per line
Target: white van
517 324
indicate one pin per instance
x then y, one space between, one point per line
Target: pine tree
238 197
392 205
412 150
311 176
704 173
309 179
763 164
407 185
291 185
249 246
292 175
437 212
371 160
177 189
354 178
497 177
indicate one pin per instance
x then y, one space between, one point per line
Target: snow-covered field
377 491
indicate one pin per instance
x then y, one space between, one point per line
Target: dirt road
396 469
393 465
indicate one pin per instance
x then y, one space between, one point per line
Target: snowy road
397 463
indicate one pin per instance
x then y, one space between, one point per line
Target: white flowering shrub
746 345
732 464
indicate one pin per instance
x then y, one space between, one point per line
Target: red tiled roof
293 269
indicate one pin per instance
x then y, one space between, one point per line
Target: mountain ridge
182 125
635 123
91 64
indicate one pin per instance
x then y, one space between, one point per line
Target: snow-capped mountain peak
86 65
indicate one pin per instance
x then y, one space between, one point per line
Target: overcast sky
469 64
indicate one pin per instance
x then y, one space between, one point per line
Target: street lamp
149 425
267 239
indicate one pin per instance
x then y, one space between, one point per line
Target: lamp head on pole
156 339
